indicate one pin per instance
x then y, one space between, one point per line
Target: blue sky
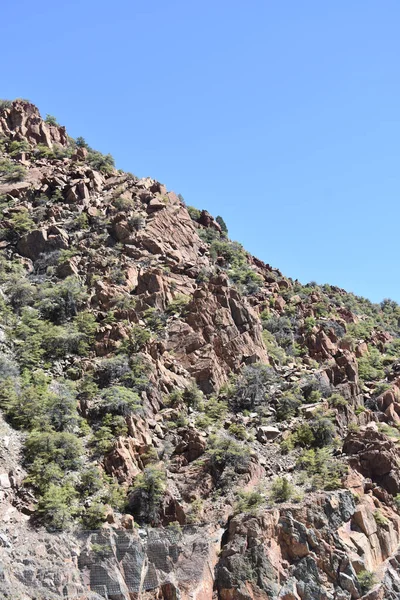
283 117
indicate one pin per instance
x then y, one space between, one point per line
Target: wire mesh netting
122 564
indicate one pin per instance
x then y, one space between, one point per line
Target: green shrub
232 252
94 515
50 120
101 162
43 151
322 470
194 213
5 104
178 306
353 428
90 481
316 433
282 490
225 451
81 143
380 519
117 400
309 324
11 172
154 319
64 449
30 403
337 400
238 431
249 502
193 397
21 222
370 365
222 224
366 579
195 512
137 338
149 487
287 406
16 148
274 351
58 506
102 440
123 204
248 281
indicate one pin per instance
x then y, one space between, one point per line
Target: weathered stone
266 433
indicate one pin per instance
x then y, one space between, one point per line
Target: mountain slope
185 421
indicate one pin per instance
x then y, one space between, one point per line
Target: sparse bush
366 579
370 365
250 388
239 431
21 222
282 329
195 511
5 104
222 224
117 400
225 451
148 489
58 506
249 502
380 519
50 120
282 490
322 470
155 319
193 397
101 162
337 400
178 306
61 302
194 213
287 406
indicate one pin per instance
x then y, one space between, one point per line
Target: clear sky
281 116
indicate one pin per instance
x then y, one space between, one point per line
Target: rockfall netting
124 564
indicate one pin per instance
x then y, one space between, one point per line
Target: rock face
22 121
373 455
199 426
306 537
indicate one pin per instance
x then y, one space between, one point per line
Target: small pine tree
222 224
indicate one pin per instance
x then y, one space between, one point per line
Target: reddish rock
374 456
191 446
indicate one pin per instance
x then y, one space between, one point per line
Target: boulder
267 433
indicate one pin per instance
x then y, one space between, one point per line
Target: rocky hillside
178 419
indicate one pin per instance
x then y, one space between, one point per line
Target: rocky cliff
178 419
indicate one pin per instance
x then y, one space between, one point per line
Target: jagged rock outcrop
22 121
374 456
